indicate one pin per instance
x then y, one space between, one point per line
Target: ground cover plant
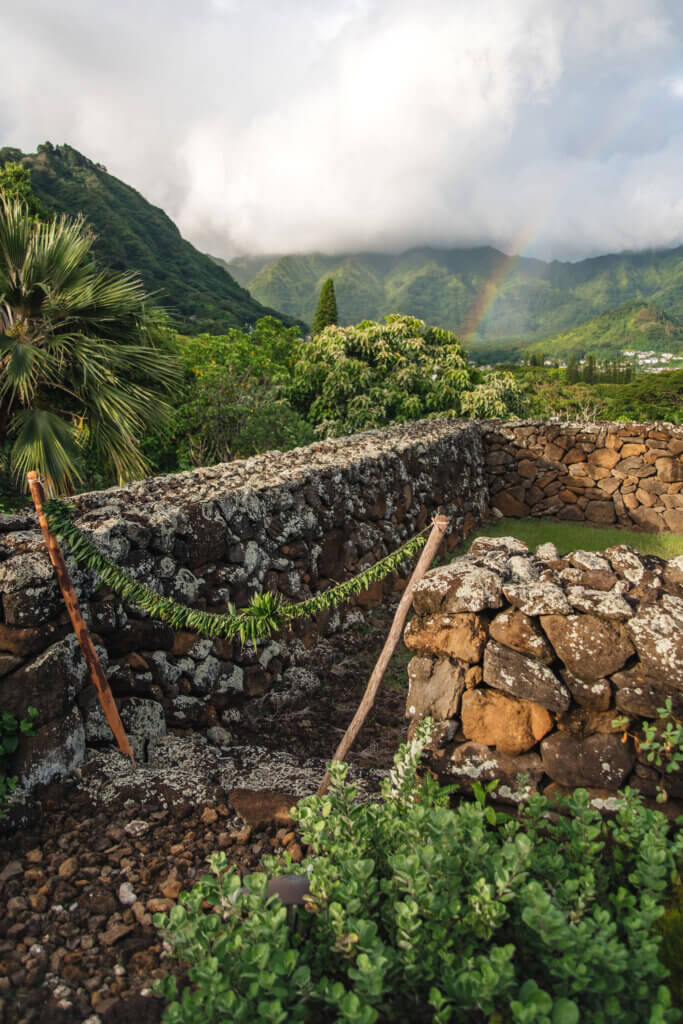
568 536
11 730
421 912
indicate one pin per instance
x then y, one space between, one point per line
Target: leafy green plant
11 729
419 912
663 743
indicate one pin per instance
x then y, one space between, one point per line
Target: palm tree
82 358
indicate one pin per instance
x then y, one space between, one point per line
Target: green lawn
573 536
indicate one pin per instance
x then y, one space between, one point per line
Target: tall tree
326 313
83 365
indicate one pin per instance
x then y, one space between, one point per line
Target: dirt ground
79 884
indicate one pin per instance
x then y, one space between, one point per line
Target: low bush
419 912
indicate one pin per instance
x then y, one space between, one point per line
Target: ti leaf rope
265 614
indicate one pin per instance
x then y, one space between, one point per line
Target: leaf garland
265 614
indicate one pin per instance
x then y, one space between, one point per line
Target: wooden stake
430 549
97 675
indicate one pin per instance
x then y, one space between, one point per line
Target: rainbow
485 298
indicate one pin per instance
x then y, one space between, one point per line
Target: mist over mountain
481 293
132 234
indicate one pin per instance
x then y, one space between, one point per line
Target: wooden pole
97 675
430 549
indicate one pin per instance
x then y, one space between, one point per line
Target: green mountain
134 235
634 326
481 294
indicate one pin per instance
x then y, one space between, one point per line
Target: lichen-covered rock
542 598
457 588
460 635
607 604
527 678
639 693
520 632
50 682
588 647
54 751
510 725
600 760
626 562
474 762
434 688
658 638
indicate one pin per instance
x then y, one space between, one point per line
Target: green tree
15 183
83 362
351 378
326 313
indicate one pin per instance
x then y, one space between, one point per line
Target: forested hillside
634 326
134 235
481 294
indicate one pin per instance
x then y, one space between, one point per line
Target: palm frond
45 442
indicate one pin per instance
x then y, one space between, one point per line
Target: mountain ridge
133 234
478 292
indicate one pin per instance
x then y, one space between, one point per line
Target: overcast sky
548 127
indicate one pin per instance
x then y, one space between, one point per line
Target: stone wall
627 474
292 522
526 660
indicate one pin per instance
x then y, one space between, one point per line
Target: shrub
418 912
10 731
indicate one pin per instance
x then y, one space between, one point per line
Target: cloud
259 126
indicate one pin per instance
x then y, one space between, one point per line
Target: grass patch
573 536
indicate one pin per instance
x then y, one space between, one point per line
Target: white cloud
367 124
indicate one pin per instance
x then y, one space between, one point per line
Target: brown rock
509 505
158 905
575 454
8 662
68 868
648 519
645 498
632 449
600 512
114 932
609 484
209 816
520 632
526 678
510 725
261 807
528 468
460 635
171 887
641 694
584 722
434 688
605 457
140 635
673 518
669 471
596 694
588 647
600 760
633 466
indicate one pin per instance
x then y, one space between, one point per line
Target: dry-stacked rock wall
525 661
626 474
292 522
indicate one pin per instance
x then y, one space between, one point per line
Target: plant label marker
439 527
97 675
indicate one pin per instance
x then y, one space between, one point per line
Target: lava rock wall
293 522
622 474
525 661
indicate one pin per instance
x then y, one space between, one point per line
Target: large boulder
600 760
657 632
590 648
510 725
